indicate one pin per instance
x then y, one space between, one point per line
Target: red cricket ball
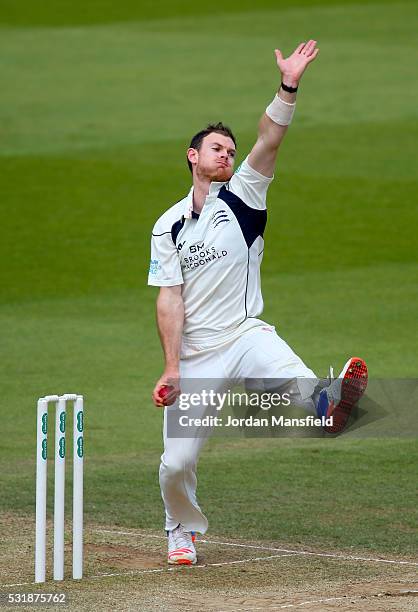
163 392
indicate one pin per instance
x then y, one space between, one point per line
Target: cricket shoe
342 394
181 550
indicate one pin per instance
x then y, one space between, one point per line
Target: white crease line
288 553
315 601
306 603
243 560
302 603
16 584
270 548
163 569
181 568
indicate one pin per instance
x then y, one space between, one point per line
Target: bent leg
261 355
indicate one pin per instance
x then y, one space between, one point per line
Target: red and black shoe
338 399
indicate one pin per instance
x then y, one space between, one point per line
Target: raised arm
170 320
274 123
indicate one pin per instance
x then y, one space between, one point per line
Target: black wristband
288 89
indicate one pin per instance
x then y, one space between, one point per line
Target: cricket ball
163 392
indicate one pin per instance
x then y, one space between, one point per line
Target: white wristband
280 112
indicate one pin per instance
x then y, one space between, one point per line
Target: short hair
218 128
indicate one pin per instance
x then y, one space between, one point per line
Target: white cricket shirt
215 256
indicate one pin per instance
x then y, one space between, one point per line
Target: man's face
215 158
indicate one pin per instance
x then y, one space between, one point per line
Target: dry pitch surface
125 569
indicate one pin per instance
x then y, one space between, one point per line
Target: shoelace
181 538
334 387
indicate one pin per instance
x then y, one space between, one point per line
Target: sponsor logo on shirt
154 267
199 256
195 248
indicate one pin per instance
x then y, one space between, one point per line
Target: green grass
26 13
94 122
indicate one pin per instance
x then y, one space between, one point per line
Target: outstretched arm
274 123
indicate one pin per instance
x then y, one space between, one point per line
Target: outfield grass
95 120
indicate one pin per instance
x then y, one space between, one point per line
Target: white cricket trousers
257 353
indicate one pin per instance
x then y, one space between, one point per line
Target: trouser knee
175 468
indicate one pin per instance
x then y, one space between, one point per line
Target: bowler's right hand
166 390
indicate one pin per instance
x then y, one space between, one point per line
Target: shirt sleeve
165 268
250 185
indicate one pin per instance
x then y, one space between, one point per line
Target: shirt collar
188 204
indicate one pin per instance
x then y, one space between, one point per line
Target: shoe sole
353 385
178 560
